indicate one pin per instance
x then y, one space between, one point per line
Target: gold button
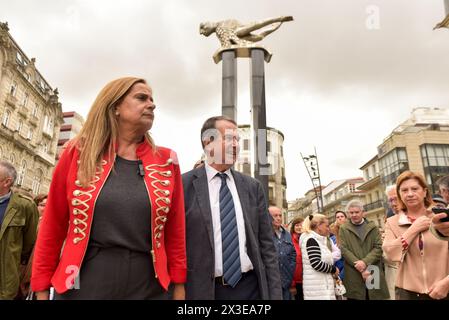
169 161
76 193
77 183
75 202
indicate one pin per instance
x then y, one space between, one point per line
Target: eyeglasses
391 200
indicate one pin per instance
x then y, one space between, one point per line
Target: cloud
332 83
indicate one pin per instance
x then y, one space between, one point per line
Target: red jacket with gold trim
70 209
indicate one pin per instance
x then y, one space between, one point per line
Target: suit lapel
201 186
242 190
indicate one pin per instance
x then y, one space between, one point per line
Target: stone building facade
30 115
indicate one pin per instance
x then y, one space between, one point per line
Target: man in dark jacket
286 251
18 227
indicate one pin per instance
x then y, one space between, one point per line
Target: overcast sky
343 75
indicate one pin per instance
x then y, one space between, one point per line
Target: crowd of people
121 222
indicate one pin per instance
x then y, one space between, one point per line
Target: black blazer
200 243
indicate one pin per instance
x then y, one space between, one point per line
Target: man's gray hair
354 204
10 171
443 182
389 188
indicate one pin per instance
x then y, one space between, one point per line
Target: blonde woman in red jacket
115 207
295 231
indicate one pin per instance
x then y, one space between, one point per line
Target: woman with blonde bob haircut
317 260
423 259
115 207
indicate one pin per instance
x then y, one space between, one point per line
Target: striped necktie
229 235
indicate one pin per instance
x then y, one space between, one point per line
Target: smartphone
441 210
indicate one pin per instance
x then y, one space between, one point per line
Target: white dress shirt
214 183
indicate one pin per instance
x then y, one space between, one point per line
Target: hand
366 274
421 224
439 289
441 227
179 292
337 272
293 291
360 266
42 295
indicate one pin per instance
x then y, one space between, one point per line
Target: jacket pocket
17 221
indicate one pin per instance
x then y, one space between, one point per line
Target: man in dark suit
230 250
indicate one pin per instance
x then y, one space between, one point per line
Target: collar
212 172
358 224
5 197
317 235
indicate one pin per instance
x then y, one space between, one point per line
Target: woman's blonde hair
312 222
98 136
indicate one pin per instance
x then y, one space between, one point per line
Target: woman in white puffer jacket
318 264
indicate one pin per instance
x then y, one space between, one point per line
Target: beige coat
416 272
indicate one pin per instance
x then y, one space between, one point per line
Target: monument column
259 119
229 85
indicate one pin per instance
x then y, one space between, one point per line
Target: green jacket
369 249
17 236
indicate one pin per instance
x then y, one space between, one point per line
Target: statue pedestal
241 52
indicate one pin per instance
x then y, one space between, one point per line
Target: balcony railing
11 100
23 110
373 205
34 120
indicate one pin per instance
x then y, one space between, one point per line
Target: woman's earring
117 113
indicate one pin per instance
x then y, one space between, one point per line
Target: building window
282 151
351 187
19 58
21 173
392 165
270 193
19 125
30 134
45 147
37 182
1 153
35 110
25 99
48 125
13 89
435 158
245 144
12 158
268 146
6 117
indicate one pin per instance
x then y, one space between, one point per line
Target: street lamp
311 163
